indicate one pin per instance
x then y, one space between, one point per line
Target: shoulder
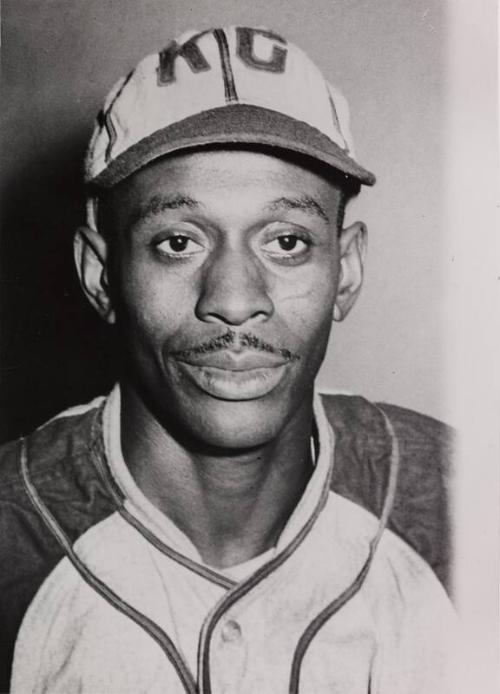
66 435
57 464
57 461
354 415
363 445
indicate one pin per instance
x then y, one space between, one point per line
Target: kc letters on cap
231 85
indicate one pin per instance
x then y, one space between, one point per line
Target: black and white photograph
249 339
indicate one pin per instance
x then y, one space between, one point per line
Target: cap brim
238 123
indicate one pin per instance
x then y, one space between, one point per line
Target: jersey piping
235 591
349 592
101 588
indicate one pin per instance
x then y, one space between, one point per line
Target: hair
348 186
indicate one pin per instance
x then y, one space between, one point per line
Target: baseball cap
219 86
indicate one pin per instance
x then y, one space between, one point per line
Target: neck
231 506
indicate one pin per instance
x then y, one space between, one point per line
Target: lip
232 360
237 382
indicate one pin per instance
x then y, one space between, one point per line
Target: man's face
224 268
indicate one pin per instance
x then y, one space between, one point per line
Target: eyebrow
158 204
304 202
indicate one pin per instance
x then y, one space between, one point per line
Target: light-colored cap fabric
231 85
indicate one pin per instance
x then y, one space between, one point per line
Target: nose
233 290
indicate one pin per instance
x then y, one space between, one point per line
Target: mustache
230 338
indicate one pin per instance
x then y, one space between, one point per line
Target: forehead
245 179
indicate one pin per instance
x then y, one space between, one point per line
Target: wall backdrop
60 57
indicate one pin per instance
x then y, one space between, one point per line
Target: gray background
59 59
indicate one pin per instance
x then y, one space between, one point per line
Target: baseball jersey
103 593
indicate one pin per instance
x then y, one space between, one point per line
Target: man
214 524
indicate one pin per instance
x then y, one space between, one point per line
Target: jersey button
231 631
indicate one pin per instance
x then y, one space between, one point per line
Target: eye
178 245
287 245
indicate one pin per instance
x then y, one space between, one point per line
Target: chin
234 425
243 424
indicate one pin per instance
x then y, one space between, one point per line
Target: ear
91 253
352 244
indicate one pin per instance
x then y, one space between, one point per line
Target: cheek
306 301
317 279
151 304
